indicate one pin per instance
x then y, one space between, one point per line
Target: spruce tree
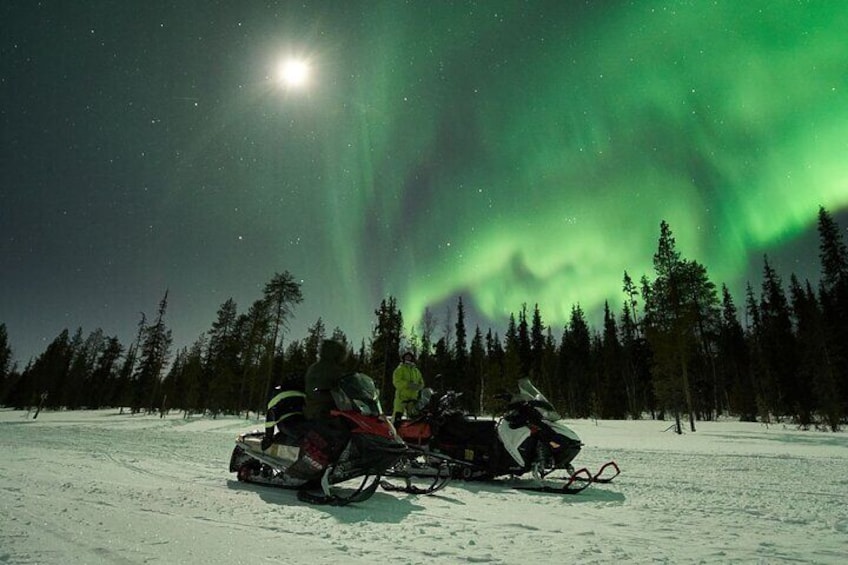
256 336
734 362
512 358
778 343
92 353
315 334
549 363
183 378
575 364
282 293
761 376
831 383
296 365
613 392
385 345
524 347
5 353
153 355
631 300
103 382
82 363
701 300
537 348
635 366
126 384
669 329
428 327
812 352
494 381
833 253
6 368
223 373
442 364
477 371
46 374
460 355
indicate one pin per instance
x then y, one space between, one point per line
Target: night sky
507 152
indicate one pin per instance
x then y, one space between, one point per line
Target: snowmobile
530 437
370 445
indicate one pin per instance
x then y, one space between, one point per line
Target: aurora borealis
507 152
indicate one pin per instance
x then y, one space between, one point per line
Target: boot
312 458
268 439
269 430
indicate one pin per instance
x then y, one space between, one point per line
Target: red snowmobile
368 447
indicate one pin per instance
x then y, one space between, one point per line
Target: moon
293 73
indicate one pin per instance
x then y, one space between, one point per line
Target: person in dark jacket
324 437
285 411
321 377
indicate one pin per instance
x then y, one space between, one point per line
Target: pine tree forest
679 348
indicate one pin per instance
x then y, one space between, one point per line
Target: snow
98 487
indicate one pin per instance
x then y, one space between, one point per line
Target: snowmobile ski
599 476
336 496
577 482
417 478
253 470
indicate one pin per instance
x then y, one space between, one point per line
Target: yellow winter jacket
408 381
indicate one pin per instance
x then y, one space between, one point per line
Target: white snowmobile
530 437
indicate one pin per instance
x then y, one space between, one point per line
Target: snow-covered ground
98 487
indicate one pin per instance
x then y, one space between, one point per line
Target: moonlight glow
293 73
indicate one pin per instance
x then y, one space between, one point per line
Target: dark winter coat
321 376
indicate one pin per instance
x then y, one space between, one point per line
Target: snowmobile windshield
527 391
424 396
357 392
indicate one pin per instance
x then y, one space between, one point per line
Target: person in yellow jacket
408 381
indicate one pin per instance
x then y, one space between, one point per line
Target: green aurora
529 155
506 152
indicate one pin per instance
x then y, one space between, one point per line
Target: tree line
679 348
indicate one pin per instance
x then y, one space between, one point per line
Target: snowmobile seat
462 429
291 428
285 413
417 432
